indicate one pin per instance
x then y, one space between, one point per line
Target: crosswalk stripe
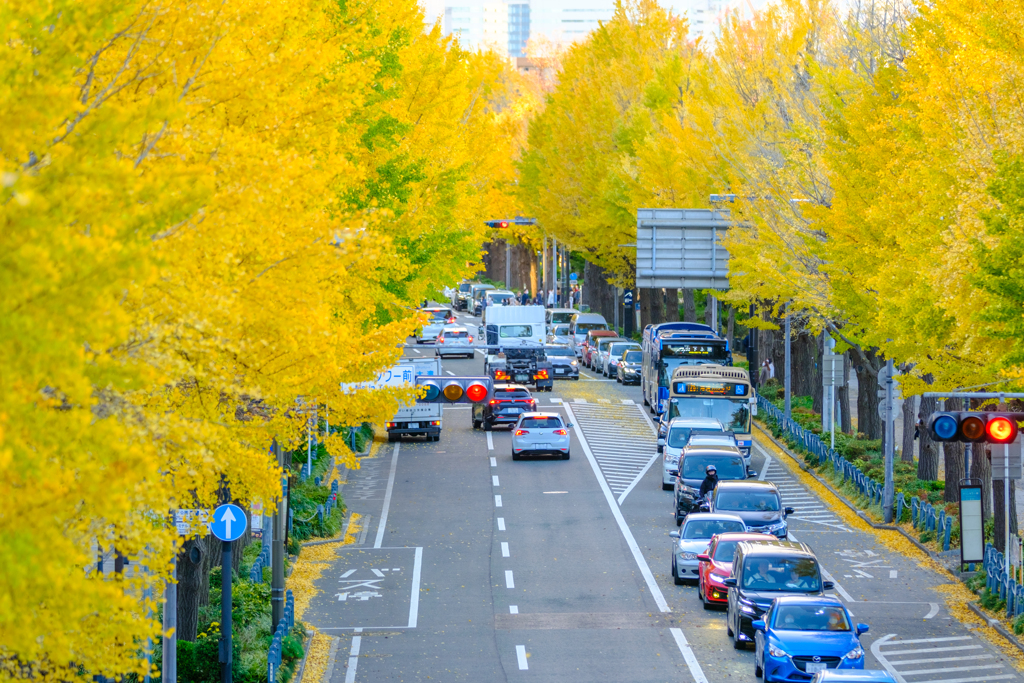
621 439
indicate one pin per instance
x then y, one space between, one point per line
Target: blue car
851 676
799 637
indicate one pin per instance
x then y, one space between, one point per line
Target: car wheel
758 668
487 425
516 456
565 456
738 644
728 626
679 518
675 572
476 424
666 487
393 437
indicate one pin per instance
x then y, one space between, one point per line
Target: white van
581 323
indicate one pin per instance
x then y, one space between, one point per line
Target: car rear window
747 501
511 393
452 334
582 328
542 422
706 528
562 317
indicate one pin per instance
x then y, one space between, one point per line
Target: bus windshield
695 353
734 414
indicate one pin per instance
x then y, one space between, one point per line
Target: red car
715 565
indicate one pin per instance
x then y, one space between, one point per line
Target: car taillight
520 432
493 401
541 374
435 423
392 424
560 432
470 339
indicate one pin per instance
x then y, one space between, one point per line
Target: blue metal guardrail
923 515
277 643
998 579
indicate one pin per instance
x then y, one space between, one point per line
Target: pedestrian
525 297
771 369
763 373
551 298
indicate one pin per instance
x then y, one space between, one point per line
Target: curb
994 623
307 646
997 625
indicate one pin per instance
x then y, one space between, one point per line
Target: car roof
712 438
808 600
500 291
510 387
777 548
436 308
855 676
724 451
713 516
563 310
455 328
748 485
612 340
703 422
540 414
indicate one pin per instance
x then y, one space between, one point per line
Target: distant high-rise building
481 25
518 28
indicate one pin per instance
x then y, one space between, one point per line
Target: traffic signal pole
888 492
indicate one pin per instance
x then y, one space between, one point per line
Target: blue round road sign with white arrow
229 522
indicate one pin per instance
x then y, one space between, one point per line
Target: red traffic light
1001 430
502 224
476 392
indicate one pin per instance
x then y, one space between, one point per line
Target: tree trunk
595 289
645 307
909 423
997 518
672 305
981 468
817 376
730 330
193 587
868 421
709 310
928 460
689 307
845 419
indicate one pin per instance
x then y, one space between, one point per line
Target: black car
757 503
508 402
692 468
628 370
763 571
563 361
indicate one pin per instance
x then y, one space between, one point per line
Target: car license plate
522 378
414 425
559 371
815 667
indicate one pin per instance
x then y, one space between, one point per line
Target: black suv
757 503
507 402
763 571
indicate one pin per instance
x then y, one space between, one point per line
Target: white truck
416 419
518 333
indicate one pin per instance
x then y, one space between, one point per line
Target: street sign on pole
832 370
1000 467
228 523
682 248
972 524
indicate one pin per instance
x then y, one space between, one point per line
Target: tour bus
723 393
670 345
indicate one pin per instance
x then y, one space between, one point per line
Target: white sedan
454 340
540 434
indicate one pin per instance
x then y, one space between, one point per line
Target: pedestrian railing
1001 581
286 624
923 515
262 560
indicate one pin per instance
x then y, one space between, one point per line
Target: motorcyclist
710 480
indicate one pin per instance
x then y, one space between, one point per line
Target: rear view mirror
751 474
704 557
757 624
730 582
827 585
789 511
661 443
569 425
862 628
673 534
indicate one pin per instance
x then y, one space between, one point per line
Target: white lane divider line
414 599
933 611
504 549
377 572
688 656
638 556
387 498
494 479
628 402
353 657
521 656
767 464
349 573
490 442
497 501
513 609
501 523
509 583
494 462
450 373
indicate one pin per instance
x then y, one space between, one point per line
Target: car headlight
777 526
689 556
574 363
776 652
747 607
855 653
718 581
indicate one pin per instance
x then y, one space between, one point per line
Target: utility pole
169 664
508 265
752 360
888 493
788 371
225 611
277 544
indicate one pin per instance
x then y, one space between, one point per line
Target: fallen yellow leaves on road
317 658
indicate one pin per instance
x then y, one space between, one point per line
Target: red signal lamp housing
1001 429
476 392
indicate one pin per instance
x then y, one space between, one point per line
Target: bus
671 345
716 391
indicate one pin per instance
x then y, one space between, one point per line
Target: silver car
559 334
540 434
675 440
454 340
613 354
437 318
692 539
600 351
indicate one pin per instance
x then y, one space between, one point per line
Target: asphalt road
472 567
